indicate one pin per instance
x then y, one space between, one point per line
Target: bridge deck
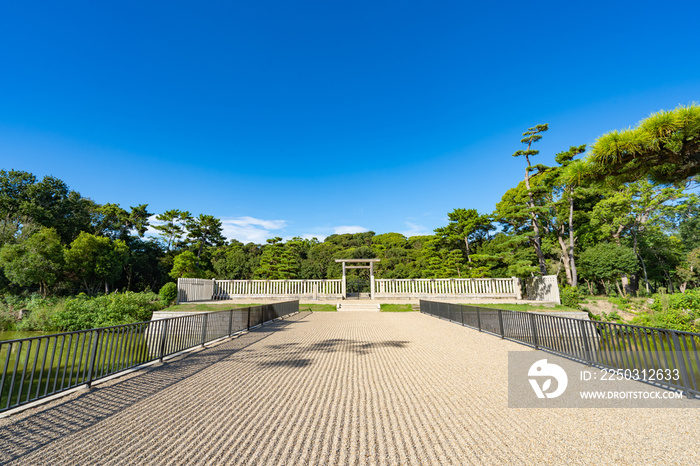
338 388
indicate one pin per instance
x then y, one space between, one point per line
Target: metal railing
38 367
601 344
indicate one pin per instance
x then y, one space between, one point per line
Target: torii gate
371 273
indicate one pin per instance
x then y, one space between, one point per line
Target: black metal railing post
230 322
93 357
478 319
534 331
248 317
586 345
682 364
204 328
162 339
500 323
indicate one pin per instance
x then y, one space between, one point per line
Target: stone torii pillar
344 282
371 273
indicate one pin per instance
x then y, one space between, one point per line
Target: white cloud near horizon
244 229
415 230
250 229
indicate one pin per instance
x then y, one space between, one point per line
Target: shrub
678 311
41 312
168 293
8 318
570 296
81 313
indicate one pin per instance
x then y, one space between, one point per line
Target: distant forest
620 216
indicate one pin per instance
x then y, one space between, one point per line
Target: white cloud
150 231
340 230
243 229
415 230
250 229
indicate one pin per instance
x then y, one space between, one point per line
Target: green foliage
168 293
95 260
205 230
607 261
570 296
186 265
664 147
84 312
466 231
38 312
679 311
36 260
622 302
613 316
171 226
41 312
278 262
116 223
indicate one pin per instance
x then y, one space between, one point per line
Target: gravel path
338 388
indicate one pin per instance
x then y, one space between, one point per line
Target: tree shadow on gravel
295 355
29 433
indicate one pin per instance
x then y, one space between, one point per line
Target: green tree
236 261
277 262
533 135
466 226
564 185
205 230
186 265
665 147
688 221
116 223
95 260
144 269
607 262
173 227
630 209
27 205
36 260
689 271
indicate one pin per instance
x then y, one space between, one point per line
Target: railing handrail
131 323
92 354
572 338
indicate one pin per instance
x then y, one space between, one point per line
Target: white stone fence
447 288
310 289
536 288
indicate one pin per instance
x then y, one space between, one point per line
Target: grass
525 307
317 307
397 308
193 307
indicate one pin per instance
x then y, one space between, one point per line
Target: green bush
570 296
8 318
41 312
168 293
81 313
9 311
678 311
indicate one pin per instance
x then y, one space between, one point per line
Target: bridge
337 388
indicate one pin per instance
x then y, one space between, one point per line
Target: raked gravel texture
339 388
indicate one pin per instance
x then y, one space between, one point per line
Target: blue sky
309 118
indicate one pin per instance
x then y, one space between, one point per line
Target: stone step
358 306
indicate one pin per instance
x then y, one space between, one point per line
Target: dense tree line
619 216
